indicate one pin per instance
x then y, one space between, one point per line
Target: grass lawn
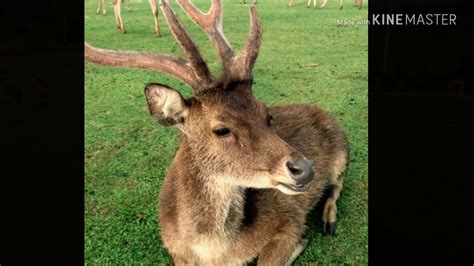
305 58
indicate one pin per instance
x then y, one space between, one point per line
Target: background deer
243 1
245 175
101 7
118 14
357 3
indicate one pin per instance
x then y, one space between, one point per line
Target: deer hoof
329 228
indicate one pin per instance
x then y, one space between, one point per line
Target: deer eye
222 132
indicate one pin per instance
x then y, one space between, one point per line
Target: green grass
305 58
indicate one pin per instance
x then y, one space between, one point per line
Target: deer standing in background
357 3
245 175
101 7
119 20
243 1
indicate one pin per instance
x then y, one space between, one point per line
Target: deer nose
301 171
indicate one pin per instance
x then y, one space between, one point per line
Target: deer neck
222 207
212 206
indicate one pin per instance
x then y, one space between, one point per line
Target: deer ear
166 104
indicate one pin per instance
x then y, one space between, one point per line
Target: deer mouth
297 187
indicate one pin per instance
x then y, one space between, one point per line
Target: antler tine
211 24
192 52
248 56
195 71
156 62
236 66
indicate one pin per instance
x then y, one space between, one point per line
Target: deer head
227 132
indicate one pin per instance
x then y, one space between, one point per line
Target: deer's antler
157 62
235 66
194 71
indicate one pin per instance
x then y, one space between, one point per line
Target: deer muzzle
302 172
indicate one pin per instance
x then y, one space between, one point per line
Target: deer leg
360 4
282 251
154 10
341 4
330 208
118 16
299 249
314 3
324 3
101 7
129 6
290 2
122 26
309 3
104 11
117 22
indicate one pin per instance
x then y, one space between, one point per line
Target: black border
420 137
420 144
42 142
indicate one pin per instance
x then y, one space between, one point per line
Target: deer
118 15
243 2
245 175
357 3
101 7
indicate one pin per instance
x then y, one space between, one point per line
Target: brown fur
232 224
232 192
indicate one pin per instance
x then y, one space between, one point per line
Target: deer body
245 175
118 15
207 222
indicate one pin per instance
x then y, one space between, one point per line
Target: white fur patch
263 180
210 248
287 191
170 103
